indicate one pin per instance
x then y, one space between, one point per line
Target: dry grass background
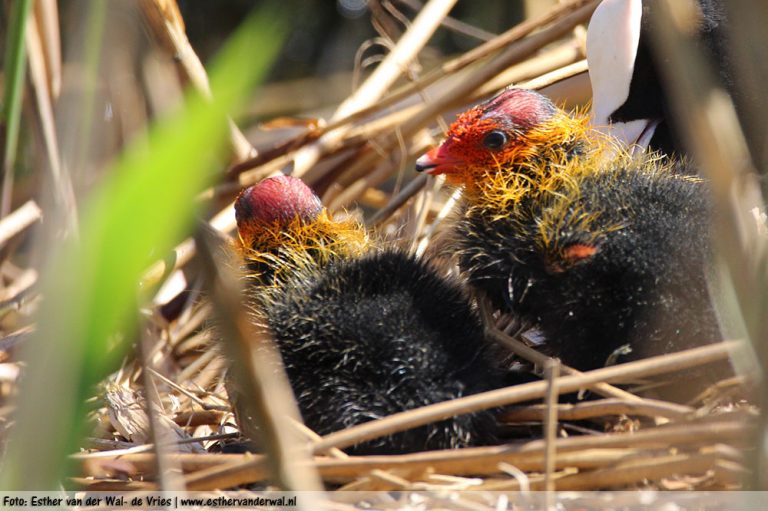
157 421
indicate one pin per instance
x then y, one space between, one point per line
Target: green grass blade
15 70
144 207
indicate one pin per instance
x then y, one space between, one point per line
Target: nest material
356 161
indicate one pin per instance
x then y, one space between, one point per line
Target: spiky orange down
300 244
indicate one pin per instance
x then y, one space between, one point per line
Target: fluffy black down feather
642 282
365 338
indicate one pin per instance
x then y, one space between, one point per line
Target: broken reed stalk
207 471
551 372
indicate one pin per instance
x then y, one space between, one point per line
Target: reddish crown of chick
277 200
282 225
510 145
489 134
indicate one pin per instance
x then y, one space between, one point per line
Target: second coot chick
363 333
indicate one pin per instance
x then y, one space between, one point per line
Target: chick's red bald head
277 200
488 135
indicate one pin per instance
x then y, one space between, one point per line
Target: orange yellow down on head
282 225
515 144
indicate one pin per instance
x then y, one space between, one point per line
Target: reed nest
162 420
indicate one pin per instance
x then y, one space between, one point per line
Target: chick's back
377 335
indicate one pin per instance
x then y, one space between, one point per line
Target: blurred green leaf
14 70
143 208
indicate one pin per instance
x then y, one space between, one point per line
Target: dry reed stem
314 437
397 62
17 290
622 372
267 397
602 408
61 180
635 471
371 179
558 75
191 324
538 72
168 469
209 471
526 352
182 390
192 345
47 19
551 372
167 25
196 367
15 222
394 65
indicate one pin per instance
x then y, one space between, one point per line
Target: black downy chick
363 333
598 255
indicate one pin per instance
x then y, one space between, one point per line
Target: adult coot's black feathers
628 96
363 332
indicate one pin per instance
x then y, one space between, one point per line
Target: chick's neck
269 251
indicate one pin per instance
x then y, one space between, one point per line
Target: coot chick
363 332
599 253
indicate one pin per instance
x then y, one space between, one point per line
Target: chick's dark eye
495 139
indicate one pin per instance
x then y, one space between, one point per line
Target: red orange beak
436 162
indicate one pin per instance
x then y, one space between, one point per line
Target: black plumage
597 249
636 105
365 338
363 332
630 267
